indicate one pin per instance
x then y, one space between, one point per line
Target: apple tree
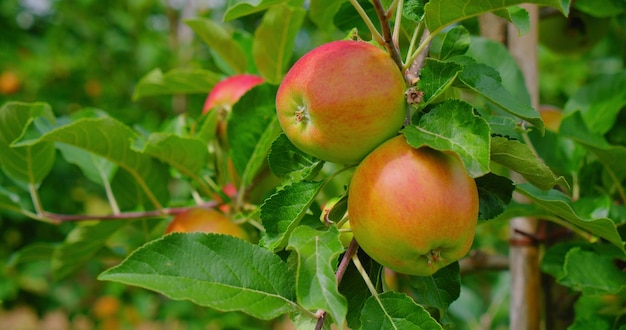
555 177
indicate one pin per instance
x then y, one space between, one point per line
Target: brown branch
57 218
413 72
391 46
479 260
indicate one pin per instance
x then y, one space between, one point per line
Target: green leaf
414 10
453 42
518 157
560 205
28 164
81 245
176 81
438 290
221 41
322 12
394 310
495 194
497 56
441 13
291 164
241 8
518 16
111 139
606 8
485 81
217 271
453 126
9 200
611 156
95 168
316 283
435 77
38 251
188 155
274 39
600 101
594 272
281 212
252 127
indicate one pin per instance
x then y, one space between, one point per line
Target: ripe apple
206 221
341 100
228 91
412 210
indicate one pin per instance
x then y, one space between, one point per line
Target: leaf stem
34 195
424 44
398 21
370 25
366 278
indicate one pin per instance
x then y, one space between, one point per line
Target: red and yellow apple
228 91
413 210
205 221
341 100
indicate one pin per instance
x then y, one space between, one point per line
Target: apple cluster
412 210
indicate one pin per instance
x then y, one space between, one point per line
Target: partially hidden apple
206 221
341 100
413 210
228 91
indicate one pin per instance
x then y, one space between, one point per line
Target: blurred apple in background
206 221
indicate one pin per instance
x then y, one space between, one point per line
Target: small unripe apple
341 100
413 210
228 91
206 221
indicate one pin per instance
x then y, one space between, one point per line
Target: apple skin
413 210
206 221
228 91
341 100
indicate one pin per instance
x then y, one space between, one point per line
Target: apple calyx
302 114
433 256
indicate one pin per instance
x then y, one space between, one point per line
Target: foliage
473 103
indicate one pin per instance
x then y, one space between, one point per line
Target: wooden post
525 306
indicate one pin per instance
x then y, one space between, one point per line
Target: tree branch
389 43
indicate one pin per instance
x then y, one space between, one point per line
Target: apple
206 221
551 116
341 100
412 210
9 83
228 91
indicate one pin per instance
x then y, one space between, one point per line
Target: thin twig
58 218
388 42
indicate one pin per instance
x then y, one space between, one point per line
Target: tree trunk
525 305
